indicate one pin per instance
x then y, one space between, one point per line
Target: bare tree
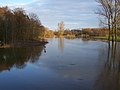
110 10
61 26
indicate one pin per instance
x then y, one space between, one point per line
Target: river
62 64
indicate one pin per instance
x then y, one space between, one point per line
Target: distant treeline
95 32
85 32
16 25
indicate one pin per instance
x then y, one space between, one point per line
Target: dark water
63 65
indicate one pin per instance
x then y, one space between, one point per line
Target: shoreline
24 44
98 38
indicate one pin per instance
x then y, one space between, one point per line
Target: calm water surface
61 65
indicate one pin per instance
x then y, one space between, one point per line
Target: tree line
16 25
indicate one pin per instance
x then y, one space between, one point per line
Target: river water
61 65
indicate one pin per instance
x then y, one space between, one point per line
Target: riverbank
105 38
28 43
95 38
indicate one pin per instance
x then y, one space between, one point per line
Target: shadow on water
18 57
109 78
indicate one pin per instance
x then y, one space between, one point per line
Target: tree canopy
16 25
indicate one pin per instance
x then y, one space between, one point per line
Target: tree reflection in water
109 78
61 44
18 57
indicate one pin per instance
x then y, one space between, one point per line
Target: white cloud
75 13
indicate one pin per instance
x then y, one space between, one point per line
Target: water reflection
109 78
77 69
18 57
61 44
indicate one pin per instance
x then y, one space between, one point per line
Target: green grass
106 38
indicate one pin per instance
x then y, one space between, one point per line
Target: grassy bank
105 38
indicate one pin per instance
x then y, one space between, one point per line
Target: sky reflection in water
63 65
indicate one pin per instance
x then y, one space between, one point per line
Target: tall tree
61 26
110 10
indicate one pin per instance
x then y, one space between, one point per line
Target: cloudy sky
74 13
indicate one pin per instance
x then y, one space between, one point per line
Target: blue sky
74 13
